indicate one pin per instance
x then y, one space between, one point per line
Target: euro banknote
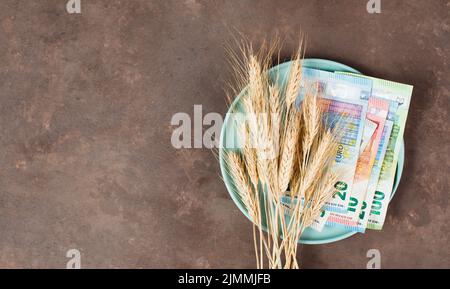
401 95
374 176
319 223
376 114
345 101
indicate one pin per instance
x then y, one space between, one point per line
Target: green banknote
400 95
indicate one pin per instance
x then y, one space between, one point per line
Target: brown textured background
85 106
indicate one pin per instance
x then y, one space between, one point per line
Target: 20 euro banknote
344 100
376 114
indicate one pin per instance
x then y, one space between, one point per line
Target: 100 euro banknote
401 95
374 176
377 114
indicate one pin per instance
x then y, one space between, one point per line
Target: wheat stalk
249 198
289 148
249 154
236 168
283 146
295 76
291 127
314 189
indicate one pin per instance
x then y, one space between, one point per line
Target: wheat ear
248 197
291 127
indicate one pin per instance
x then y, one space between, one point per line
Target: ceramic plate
329 234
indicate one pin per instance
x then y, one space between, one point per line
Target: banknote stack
371 113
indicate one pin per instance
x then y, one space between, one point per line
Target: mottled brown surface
85 106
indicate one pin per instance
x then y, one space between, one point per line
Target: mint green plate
328 234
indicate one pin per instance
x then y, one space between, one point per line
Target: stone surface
86 101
